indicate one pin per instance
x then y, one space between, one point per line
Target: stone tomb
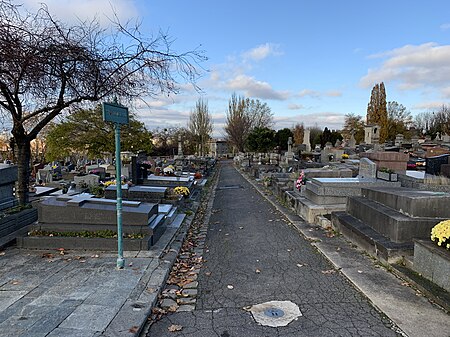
84 212
169 181
325 195
8 177
392 160
152 194
385 220
16 224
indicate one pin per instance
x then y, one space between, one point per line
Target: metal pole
120 259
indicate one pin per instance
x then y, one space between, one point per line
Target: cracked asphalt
254 255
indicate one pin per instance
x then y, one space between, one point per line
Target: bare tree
377 110
244 115
200 125
47 67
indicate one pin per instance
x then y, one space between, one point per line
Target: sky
312 61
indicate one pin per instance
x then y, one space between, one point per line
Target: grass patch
106 234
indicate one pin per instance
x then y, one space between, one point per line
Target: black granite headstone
433 164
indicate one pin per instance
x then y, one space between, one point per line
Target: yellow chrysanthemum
441 233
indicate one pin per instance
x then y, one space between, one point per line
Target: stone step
369 239
412 202
395 225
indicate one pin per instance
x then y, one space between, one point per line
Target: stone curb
166 263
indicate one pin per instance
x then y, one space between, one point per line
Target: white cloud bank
413 67
102 10
261 52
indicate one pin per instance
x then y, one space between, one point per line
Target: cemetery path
253 255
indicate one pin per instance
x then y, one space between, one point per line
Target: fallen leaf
134 329
2 253
406 284
338 248
172 308
174 328
130 264
230 286
329 271
257 271
241 227
360 271
48 255
95 256
289 250
15 282
208 273
299 265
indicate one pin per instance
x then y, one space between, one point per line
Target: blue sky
310 61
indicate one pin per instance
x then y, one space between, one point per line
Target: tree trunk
22 160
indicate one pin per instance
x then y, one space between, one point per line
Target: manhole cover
274 312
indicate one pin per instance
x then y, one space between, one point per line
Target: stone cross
306 136
180 147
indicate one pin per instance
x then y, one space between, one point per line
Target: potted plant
387 174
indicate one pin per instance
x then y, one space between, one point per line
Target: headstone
8 177
180 147
433 164
352 141
88 180
44 175
289 154
399 140
371 134
367 169
306 141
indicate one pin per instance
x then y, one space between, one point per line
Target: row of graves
372 199
80 213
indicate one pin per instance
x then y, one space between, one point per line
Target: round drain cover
274 312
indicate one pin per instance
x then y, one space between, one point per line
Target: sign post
117 114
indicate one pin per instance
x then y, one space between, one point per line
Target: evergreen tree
377 110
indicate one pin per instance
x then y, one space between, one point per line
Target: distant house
218 147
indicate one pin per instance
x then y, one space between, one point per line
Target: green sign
115 113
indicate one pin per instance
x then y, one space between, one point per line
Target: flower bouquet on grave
301 180
441 234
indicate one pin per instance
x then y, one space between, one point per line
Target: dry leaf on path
174 328
329 271
299 265
230 286
2 253
257 271
133 329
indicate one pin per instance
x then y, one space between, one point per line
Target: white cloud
102 10
294 106
261 52
254 88
332 120
445 26
428 105
318 94
413 67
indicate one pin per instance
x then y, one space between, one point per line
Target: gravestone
306 136
352 141
44 175
399 140
289 154
367 169
433 164
371 134
8 177
89 180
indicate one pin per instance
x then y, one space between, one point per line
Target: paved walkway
254 254
80 293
